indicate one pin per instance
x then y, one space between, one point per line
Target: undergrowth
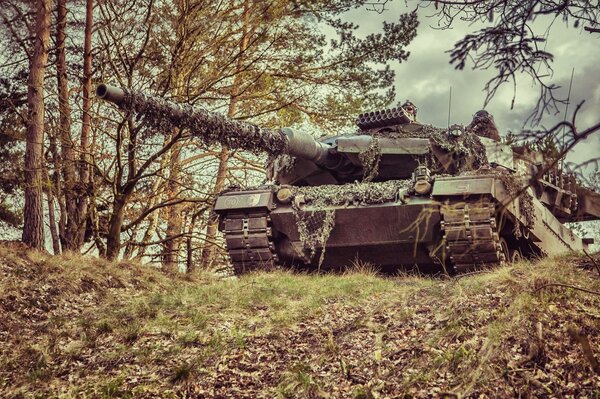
78 327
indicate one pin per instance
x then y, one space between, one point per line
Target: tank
396 193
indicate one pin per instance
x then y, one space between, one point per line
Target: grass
85 327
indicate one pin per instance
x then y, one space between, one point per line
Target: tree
84 166
33 228
12 136
65 162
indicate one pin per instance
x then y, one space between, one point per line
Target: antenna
449 106
565 116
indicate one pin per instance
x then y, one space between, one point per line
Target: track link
470 235
249 239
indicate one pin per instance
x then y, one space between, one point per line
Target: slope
78 327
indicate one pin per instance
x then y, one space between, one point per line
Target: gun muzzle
110 93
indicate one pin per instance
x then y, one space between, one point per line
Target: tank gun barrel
210 127
213 128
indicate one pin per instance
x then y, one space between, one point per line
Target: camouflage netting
280 165
314 230
468 151
210 127
315 226
514 187
365 193
370 160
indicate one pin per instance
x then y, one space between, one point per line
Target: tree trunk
84 168
52 220
113 241
190 267
68 220
175 219
95 220
153 222
130 246
154 217
33 227
53 190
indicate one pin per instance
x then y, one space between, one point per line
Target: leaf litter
70 329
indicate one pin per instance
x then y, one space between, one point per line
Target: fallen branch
566 286
593 261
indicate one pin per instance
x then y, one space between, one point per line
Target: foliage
11 149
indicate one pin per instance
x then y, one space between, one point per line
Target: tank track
249 239
470 235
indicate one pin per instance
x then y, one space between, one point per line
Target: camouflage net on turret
514 187
468 151
370 160
406 130
209 127
315 225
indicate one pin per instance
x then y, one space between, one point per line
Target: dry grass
79 327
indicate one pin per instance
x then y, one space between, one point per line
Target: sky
426 77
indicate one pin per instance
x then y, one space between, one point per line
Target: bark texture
68 223
85 161
33 228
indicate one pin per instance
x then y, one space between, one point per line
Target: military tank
396 193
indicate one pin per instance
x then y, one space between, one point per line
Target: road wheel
516 256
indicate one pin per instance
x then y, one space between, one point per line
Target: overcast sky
426 76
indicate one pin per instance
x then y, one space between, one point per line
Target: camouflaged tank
397 193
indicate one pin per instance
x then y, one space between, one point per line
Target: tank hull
391 235
467 222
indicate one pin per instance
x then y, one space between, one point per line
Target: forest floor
74 327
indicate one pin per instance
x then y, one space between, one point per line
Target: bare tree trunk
95 220
84 168
52 219
68 220
129 247
175 219
113 241
152 224
190 266
33 227
52 187
155 199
